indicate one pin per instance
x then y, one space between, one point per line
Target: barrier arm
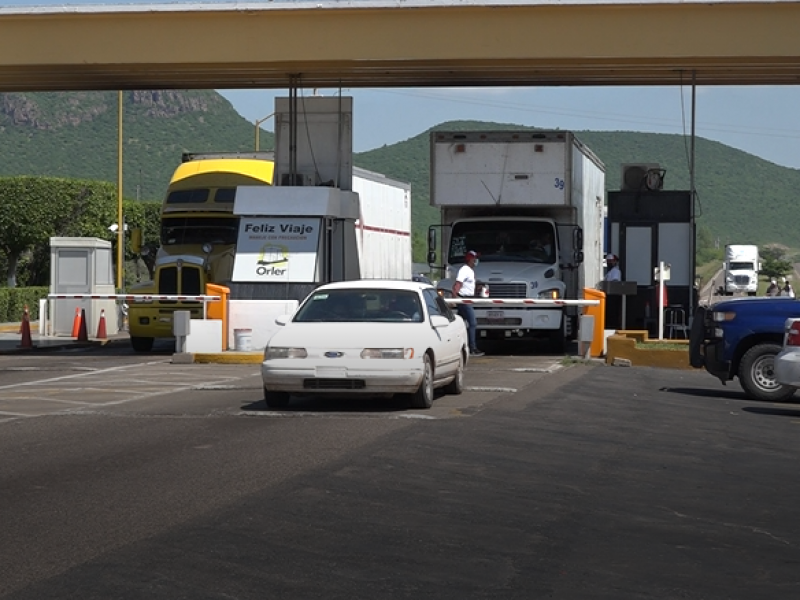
520 302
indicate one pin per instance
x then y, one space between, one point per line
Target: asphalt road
572 482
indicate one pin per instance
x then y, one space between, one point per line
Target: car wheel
276 399
757 374
142 344
456 387
423 397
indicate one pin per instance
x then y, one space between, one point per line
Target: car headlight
548 295
387 353
274 352
720 317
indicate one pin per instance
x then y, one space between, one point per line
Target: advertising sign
276 249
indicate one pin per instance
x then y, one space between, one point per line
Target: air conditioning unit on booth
642 176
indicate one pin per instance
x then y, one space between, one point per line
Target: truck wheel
558 338
142 344
757 374
276 399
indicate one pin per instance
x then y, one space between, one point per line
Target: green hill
742 198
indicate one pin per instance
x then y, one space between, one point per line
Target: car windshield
504 241
361 306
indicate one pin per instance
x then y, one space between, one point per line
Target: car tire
456 387
142 344
276 399
423 397
757 374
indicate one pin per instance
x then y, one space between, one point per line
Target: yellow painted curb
623 345
230 358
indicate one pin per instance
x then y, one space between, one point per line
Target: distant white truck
740 272
531 203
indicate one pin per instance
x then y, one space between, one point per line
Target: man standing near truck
464 287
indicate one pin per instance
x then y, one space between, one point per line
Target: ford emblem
334 354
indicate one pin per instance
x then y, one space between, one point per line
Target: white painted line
490 389
414 416
62 378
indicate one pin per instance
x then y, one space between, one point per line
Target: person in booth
613 273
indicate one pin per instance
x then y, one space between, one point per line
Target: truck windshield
741 266
199 230
506 241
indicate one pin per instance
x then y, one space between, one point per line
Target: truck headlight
142 301
549 295
387 353
274 352
720 317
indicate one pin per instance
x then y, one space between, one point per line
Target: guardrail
521 302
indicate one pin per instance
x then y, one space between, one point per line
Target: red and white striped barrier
521 302
132 297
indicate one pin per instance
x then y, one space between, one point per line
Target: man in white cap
613 273
773 289
464 287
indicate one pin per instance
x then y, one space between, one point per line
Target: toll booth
80 265
646 227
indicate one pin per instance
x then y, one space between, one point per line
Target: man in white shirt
464 287
613 273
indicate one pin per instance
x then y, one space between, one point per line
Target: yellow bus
198 237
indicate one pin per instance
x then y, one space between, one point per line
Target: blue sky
759 120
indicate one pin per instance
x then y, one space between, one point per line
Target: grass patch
660 346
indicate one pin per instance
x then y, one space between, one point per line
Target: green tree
773 262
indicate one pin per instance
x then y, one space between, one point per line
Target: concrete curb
229 358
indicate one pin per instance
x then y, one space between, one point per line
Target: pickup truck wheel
142 344
757 374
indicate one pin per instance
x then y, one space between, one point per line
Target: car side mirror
282 319
438 321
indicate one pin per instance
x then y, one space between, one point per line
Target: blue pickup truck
740 338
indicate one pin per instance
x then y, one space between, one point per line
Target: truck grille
190 283
741 279
506 290
334 384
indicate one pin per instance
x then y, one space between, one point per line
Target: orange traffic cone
101 325
83 336
76 323
26 341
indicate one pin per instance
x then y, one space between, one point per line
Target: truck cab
740 338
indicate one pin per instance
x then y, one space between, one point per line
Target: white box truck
741 269
531 204
306 236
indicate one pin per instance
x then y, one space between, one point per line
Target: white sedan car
787 361
367 337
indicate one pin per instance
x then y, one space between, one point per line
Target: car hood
350 336
779 305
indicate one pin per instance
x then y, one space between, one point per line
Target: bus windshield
199 230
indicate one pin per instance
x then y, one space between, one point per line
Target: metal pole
257 144
692 248
120 223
